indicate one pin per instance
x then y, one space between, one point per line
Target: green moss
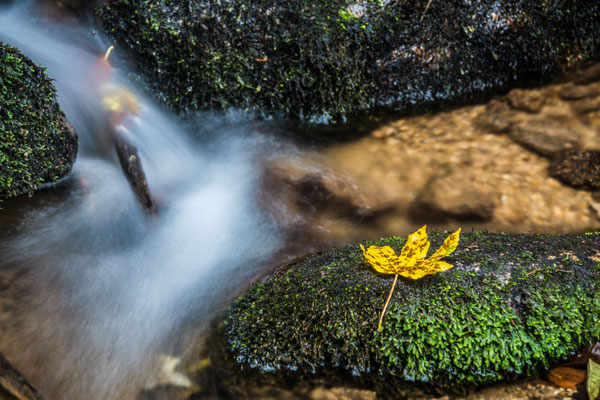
512 306
36 143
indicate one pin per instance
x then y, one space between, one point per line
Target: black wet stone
37 144
580 169
512 306
337 60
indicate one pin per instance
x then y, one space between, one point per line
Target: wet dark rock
512 306
545 137
580 169
13 385
64 9
338 60
589 75
37 144
495 118
585 106
314 196
455 196
524 100
576 92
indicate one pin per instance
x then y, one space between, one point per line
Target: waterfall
108 286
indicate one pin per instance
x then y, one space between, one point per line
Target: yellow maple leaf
412 262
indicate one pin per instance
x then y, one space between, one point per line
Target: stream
95 293
107 287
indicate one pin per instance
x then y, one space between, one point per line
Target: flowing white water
111 286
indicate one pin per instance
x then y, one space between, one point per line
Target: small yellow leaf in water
119 99
168 374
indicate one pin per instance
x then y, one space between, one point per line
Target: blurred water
110 284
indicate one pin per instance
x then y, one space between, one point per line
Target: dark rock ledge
339 60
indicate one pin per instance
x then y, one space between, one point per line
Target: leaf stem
386 303
425 12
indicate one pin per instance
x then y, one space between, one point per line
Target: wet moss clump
37 145
339 60
512 306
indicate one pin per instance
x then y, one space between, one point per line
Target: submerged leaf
168 374
119 100
566 377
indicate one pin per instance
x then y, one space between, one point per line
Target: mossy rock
339 60
512 306
37 144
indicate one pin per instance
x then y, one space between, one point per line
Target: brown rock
313 195
589 75
544 137
495 117
456 196
525 100
577 168
577 92
585 106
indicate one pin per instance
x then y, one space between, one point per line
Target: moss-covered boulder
338 59
37 144
512 306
